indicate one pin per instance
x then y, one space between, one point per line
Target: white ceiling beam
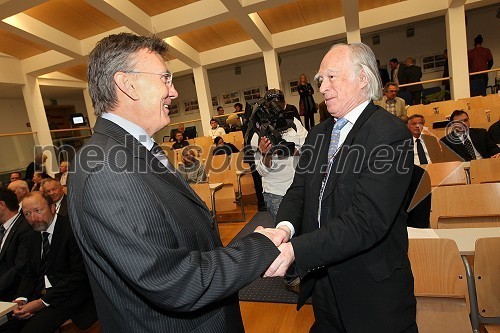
351 15
41 33
126 13
251 23
190 17
258 5
48 62
182 51
12 7
88 44
456 3
230 54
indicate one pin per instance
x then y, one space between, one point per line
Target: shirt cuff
289 225
24 299
46 304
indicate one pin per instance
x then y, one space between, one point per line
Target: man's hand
496 156
264 145
282 262
28 310
277 236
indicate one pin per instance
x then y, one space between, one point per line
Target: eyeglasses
166 77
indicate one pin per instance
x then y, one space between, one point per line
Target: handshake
280 237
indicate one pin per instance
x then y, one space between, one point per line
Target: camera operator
279 145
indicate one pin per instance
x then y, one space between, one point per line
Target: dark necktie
158 152
469 148
421 153
40 286
2 233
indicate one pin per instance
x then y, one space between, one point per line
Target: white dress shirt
416 160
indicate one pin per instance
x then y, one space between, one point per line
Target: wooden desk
465 238
5 308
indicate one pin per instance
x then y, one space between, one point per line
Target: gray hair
113 54
362 58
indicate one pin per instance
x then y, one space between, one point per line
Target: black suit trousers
47 320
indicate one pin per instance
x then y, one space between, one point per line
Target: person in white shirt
426 148
216 129
54 189
277 172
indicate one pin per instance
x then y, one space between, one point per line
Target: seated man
15 176
192 170
20 188
222 147
58 288
216 129
391 102
179 141
469 143
53 188
14 230
180 128
426 148
62 175
37 179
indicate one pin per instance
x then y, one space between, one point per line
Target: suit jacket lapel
124 138
342 154
322 145
11 234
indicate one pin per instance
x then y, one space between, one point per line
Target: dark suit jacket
70 292
362 242
155 259
63 208
494 132
14 258
433 148
480 139
412 74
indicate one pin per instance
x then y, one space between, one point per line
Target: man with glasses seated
391 102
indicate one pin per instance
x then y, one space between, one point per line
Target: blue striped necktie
334 141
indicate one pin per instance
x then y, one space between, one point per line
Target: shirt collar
354 114
51 227
136 131
10 221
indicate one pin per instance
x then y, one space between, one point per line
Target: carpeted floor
270 290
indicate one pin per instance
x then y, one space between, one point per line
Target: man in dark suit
346 204
426 148
53 188
57 288
469 143
397 71
154 256
411 74
14 230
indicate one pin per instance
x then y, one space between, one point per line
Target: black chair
429 91
190 132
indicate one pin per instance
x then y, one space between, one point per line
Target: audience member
15 176
58 288
179 141
277 172
221 120
54 189
37 179
191 169
391 102
233 123
384 74
20 188
154 254
426 148
494 132
347 211
307 106
222 147
469 143
62 175
180 128
397 71
216 129
14 255
480 59
36 165
412 74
